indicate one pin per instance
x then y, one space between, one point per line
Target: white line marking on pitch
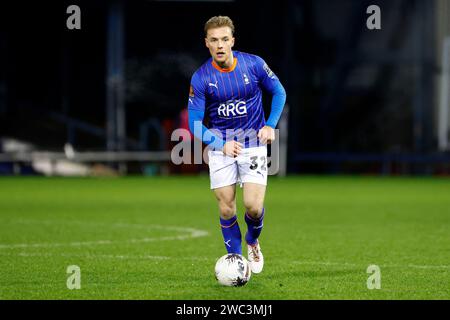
191 233
325 263
150 257
103 256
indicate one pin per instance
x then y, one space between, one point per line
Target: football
232 270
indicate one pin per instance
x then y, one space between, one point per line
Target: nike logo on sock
227 243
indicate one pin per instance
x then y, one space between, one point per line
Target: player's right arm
196 112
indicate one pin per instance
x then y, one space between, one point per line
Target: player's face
220 41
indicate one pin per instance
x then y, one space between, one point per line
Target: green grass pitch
159 238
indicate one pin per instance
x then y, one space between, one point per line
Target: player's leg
253 195
223 173
254 204
226 198
253 172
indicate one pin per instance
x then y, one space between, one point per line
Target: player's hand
232 148
266 135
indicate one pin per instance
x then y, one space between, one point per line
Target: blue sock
231 235
254 227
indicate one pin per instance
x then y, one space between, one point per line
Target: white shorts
249 166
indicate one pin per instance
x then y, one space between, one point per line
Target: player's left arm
270 82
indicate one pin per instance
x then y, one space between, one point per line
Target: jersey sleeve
270 82
265 75
196 112
196 94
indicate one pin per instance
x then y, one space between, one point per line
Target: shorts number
254 164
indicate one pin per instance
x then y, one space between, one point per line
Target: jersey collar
233 66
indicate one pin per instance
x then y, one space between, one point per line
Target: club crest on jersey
246 81
268 71
232 108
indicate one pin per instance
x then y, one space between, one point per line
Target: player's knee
254 210
227 209
227 214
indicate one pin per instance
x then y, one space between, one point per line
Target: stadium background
360 100
103 101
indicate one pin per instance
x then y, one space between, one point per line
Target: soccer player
227 88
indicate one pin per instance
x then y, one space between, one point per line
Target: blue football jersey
232 98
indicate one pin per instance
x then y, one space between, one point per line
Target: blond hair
219 21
